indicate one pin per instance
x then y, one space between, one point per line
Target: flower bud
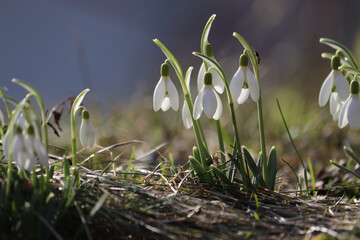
335 62
87 133
165 70
244 60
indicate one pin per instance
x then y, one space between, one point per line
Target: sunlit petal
87 133
253 86
159 94
237 82
186 117
244 95
200 79
217 81
166 104
173 95
342 85
219 108
209 101
343 121
326 88
198 105
353 112
41 153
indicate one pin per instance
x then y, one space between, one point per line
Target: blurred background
63 47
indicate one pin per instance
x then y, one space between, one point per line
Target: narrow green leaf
97 206
200 171
212 63
77 102
338 46
294 172
249 51
351 154
272 169
312 174
172 59
205 34
350 70
196 153
345 169
220 174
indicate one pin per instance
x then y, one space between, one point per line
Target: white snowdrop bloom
87 132
216 79
38 149
23 155
165 93
186 116
350 111
335 105
334 79
244 83
208 101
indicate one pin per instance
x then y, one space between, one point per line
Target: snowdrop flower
208 100
350 111
335 105
87 133
38 149
165 93
244 83
217 81
334 79
23 155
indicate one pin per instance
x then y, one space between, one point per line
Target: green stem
221 140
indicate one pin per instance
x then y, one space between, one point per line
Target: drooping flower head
244 83
87 133
38 149
217 81
334 79
350 111
208 100
165 93
22 151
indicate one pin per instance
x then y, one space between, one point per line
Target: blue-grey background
62 47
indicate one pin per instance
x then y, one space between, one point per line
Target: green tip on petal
85 115
165 70
207 78
244 60
30 130
354 87
209 50
335 63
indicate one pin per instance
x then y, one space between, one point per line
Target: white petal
219 107
198 104
173 94
186 117
209 101
353 112
217 81
253 85
237 82
159 94
343 121
41 153
165 104
326 88
200 79
87 133
333 102
6 144
342 85
244 95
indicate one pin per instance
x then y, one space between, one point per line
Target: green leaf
272 169
249 51
172 59
220 174
351 154
212 63
338 46
205 34
350 70
258 178
200 171
77 102
345 169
